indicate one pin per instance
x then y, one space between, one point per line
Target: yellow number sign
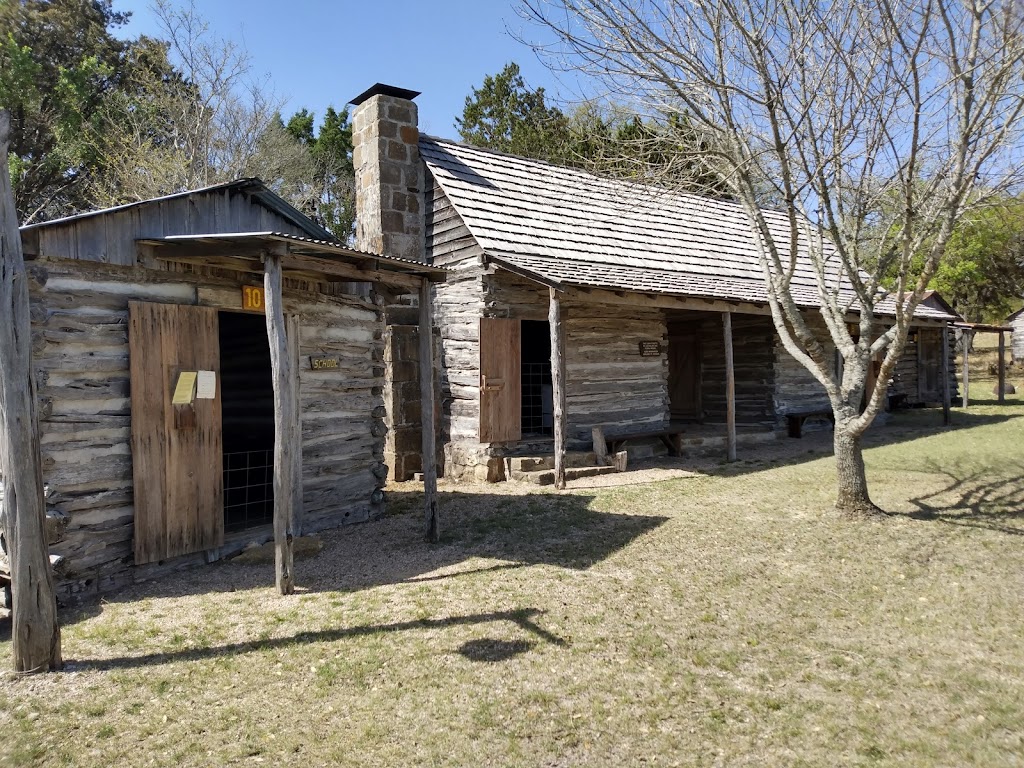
252 298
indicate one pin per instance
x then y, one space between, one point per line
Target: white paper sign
206 385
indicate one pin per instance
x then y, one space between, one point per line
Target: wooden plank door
684 376
500 380
177 450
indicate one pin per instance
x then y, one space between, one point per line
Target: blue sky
320 53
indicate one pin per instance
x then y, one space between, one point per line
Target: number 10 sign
252 298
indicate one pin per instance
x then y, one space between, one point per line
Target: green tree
983 273
58 63
331 181
507 115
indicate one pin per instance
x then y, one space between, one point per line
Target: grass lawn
728 618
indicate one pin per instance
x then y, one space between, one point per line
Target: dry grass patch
726 617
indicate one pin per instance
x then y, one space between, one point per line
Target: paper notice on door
185 390
206 385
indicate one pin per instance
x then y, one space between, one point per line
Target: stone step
547 476
537 463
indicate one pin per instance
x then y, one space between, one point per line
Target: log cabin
156 389
1016 324
579 308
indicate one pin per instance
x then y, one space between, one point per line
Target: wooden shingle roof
567 226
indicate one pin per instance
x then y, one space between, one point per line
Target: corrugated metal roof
569 226
312 246
255 187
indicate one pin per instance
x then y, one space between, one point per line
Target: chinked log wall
80 342
608 382
796 389
754 370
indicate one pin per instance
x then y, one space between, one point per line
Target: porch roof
320 259
567 227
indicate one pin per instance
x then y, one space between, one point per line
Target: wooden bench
795 421
671 437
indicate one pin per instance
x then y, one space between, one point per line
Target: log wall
608 382
1016 342
458 305
795 388
80 344
753 338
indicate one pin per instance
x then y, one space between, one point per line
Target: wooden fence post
730 387
285 417
35 633
433 522
557 383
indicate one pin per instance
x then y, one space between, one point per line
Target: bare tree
190 114
874 124
36 634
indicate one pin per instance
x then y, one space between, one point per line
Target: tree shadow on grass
480 533
476 650
975 499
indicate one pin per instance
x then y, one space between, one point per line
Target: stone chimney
389 173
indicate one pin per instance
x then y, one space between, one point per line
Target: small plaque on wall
323 363
650 348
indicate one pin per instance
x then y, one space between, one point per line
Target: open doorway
247 399
684 372
537 400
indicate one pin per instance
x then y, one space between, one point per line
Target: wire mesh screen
537 401
248 489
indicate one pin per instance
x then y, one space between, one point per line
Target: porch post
285 417
1002 366
945 374
432 520
966 337
557 383
730 387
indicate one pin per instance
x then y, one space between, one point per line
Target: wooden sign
323 363
253 298
650 348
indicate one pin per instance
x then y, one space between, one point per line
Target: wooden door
684 376
500 382
176 449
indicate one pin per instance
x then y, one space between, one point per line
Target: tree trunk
852 498
35 632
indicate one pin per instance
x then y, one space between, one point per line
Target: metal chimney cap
380 89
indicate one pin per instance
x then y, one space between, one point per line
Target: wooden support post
557 383
292 323
967 337
35 633
1002 367
945 375
285 417
433 522
730 387
600 446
